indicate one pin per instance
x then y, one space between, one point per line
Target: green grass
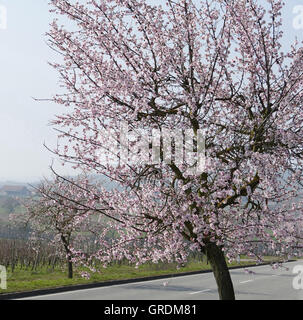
26 280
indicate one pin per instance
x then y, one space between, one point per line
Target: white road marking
246 281
200 291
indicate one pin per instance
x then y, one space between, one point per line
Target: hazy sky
24 73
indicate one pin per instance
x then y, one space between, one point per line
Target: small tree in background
54 217
186 65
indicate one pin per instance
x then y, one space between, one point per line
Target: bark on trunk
69 257
218 263
70 268
69 263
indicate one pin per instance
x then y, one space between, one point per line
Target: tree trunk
69 257
69 263
218 263
70 267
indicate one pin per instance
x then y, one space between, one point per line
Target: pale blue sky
24 73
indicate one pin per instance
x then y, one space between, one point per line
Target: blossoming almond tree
216 66
58 214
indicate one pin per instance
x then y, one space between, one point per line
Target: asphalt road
263 284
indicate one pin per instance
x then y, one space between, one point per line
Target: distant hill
15 191
11 183
9 205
